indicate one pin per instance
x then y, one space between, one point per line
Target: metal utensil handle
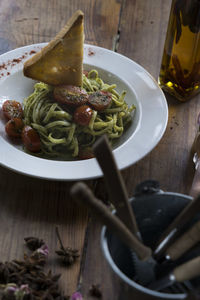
84 195
188 270
181 273
169 235
185 242
195 189
162 283
115 184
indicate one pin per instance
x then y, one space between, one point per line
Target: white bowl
148 126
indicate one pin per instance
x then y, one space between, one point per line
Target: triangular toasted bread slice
61 61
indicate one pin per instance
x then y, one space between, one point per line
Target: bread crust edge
77 18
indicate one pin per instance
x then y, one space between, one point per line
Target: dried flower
10 288
39 256
95 291
76 296
33 243
68 255
43 250
26 279
12 291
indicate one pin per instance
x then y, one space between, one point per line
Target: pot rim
118 272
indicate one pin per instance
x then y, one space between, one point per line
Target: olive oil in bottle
180 67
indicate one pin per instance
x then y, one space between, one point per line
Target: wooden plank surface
30 206
33 207
142 30
26 22
170 162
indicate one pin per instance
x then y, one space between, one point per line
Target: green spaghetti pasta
60 136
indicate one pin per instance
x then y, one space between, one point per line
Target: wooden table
30 206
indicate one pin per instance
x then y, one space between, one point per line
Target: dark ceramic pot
154 210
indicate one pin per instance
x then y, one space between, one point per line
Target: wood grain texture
170 162
34 207
96 270
27 22
31 206
142 28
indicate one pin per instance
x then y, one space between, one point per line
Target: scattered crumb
32 52
11 63
90 52
95 291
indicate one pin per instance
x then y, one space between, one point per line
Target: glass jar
180 67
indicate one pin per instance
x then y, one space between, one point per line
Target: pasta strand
60 136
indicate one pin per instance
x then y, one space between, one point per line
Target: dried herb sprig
187 13
33 243
26 279
68 255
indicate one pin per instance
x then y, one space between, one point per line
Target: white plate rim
144 140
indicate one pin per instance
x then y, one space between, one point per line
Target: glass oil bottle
180 67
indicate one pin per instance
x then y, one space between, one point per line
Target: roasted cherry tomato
70 95
100 100
12 109
83 115
31 139
85 153
14 127
85 73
